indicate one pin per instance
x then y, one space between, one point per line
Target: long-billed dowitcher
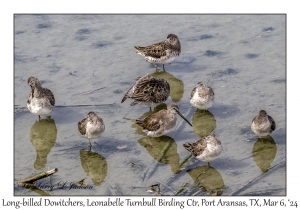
91 127
163 52
205 149
202 96
263 124
41 100
149 91
161 122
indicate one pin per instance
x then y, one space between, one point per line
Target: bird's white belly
210 153
92 131
155 134
202 103
206 158
261 130
38 109
162 60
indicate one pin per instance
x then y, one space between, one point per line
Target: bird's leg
157 69
39 117
164 67
208 164
152 107
90 145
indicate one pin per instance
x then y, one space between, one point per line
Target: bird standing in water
202 96
41 100
163 52
148 91
91 127
263 124
161 122
205 149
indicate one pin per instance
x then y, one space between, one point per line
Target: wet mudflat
88 62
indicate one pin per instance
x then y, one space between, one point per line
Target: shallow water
88 62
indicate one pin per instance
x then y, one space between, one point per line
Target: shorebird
148 91
161 122
41 100
91 127
205 149
202 96
163 52
263 124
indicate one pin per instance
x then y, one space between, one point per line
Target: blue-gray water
89 63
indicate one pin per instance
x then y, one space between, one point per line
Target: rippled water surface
88 62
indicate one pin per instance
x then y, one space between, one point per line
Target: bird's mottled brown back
82 126
152 122
273 124
196 148
151 90
156 50
193 92
49 95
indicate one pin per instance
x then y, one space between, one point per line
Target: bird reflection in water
43 135
264 152
208 179
163 149
94 165
203 122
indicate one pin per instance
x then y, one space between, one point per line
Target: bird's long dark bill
183 117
